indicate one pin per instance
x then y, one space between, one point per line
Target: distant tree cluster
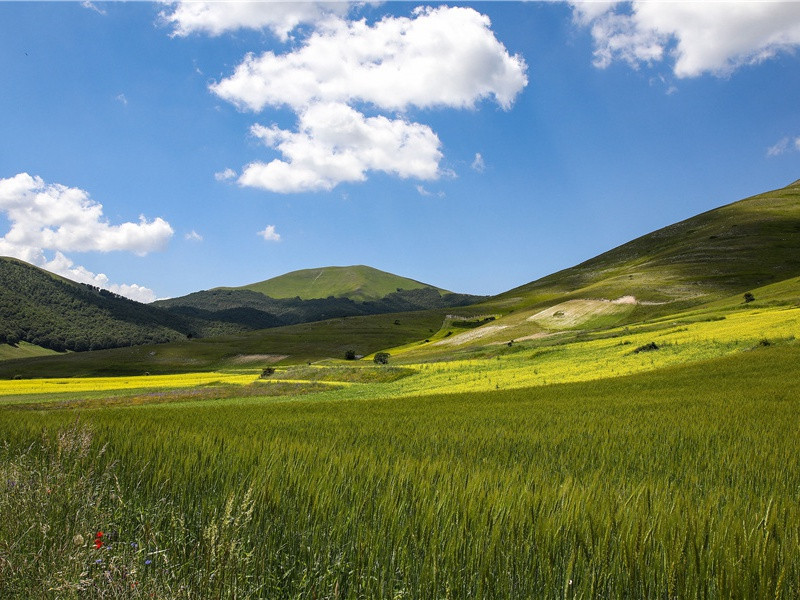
254 310
54 313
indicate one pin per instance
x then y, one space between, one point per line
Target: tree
748 297
381 358
350 355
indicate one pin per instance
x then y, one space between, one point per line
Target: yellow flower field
96 384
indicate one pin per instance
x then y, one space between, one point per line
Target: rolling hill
315 295
709 260
55 313
359 283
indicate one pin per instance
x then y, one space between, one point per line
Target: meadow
659 474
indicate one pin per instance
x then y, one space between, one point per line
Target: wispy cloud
478 163
93 6
193 236
121 99
783 146
225 175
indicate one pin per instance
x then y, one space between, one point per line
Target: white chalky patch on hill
469 336
575 312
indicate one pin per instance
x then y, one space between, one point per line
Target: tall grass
673 484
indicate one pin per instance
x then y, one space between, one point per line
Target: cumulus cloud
335 143
225 175
52 217
438 57
216 18
478 163
700 37
269 234
446 56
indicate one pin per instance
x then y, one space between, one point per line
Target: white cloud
269 234
701 37
446 56
92 6
121 99
478 163
423 191
225 175
216 18
52 217
335 143
193 236
439 57
783 146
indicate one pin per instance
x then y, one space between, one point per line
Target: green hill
315 295
709 260
55 313
715 256
360 283
749 243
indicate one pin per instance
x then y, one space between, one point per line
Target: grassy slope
356 282
300 343
746 244
23 350
713 257
39 307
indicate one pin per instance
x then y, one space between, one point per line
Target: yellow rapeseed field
95 384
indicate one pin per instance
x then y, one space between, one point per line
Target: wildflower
148 561
134 545
98 561
98 540
78 540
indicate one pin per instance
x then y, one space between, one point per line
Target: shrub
350 355
748 297
381 358
646 348
266 372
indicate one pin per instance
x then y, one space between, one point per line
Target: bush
748 297
646 348
350 355
381 358
267 371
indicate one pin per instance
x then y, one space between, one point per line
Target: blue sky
476 146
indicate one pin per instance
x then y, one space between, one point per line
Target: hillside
359 283
709 260
56 313
716 256
749 243
315 295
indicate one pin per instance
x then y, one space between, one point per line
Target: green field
561 466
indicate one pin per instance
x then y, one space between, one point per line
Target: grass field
567 466
682 482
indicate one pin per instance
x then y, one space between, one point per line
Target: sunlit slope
290 344
355 282
716 256
743 245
